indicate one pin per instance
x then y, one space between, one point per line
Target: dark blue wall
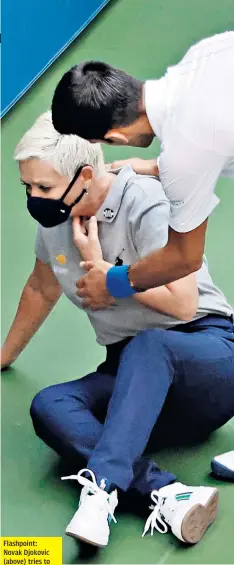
35 32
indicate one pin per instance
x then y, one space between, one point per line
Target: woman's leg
67 416
200 365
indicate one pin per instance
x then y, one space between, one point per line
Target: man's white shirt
191 110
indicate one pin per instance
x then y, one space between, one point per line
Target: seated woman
170 351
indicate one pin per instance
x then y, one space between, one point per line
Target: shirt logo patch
118 260
177 203
60 270
108 213
61 259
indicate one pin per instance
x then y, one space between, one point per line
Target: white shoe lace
155 521
92 487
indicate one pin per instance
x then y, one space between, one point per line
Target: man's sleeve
188 174
148 219
40 247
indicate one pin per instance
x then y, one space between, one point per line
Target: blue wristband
117 282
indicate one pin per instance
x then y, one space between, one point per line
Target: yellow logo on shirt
61 259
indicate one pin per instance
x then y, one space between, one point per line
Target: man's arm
180 257
188 174
39 296
148 222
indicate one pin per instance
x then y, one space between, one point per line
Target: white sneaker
187 510
90 523
223 465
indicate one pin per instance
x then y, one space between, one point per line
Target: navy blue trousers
160 386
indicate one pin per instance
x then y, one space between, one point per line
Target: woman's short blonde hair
64 152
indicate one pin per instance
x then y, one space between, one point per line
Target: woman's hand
89 247
87 242
6 360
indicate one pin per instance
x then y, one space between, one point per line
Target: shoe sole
84 539
199 518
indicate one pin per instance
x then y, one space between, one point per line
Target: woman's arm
39 296
178 299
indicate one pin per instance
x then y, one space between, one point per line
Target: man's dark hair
93 97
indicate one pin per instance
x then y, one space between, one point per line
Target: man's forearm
181 256
33 309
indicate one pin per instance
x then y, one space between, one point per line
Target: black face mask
49 212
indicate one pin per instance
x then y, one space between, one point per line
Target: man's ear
115 137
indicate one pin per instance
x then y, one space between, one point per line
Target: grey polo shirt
132 222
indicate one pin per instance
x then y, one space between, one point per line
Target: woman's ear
87 174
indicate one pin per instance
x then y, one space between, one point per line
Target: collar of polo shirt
111 205
155 95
